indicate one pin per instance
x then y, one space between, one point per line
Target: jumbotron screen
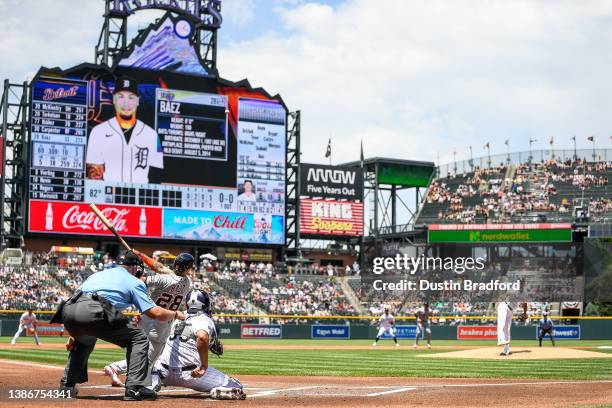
163 155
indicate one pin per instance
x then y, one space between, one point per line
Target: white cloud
416 77
239 12
412 78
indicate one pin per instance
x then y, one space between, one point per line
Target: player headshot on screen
123 148
248 194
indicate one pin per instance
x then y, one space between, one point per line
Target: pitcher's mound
521 353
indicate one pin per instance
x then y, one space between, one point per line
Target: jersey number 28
168 301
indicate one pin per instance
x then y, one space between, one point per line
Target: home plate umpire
94 312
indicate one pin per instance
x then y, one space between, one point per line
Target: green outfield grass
401 361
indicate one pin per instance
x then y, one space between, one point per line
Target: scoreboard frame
221 82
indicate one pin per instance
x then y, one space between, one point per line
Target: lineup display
163 155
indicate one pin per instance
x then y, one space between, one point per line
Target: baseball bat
147 260
108 225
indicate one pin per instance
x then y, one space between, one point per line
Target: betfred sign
476 332
331 217
56 217
260 331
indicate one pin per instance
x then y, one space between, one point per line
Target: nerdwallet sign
337 182
207 12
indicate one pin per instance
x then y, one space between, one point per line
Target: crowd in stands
507 193
283 294
31 287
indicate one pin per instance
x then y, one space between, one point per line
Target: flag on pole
591 138
574 138
507 142
487 145
552 140
328 151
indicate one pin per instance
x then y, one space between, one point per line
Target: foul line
376 394
99 372
272 392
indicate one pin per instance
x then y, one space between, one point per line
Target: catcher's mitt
216 347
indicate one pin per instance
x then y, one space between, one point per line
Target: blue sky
413 79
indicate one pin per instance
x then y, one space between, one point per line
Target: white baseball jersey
127 162
167 291
386 321
181 349
504 321
27 320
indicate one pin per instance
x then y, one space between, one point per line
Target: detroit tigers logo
141 156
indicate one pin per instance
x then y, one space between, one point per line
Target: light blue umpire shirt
120 288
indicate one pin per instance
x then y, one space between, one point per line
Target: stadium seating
536 192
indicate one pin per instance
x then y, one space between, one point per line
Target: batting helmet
182 263
199 300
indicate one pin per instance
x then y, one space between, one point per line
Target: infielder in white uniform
123 148
27 321
166 290
386 324
504 321
184 362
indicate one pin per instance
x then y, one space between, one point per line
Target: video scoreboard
210 160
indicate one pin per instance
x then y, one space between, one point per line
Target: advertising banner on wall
569 332
260 331
339 182
56 217
223 226
476 332
331 217
328 331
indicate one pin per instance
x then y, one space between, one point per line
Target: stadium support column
4 131
113 37
13 113
292 180
393 207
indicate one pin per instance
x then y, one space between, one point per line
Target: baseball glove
216 347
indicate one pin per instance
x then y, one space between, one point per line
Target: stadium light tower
531 142
471 158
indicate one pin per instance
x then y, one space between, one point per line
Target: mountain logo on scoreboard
160 48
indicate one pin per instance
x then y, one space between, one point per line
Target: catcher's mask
182 263
199 301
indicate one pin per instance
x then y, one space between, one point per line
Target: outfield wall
588 330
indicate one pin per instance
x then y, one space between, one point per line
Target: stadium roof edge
386 160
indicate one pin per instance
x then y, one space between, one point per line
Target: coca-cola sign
88 221
76 218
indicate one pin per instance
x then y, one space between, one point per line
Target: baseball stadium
151 204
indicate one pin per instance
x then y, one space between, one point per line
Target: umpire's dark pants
86 321
544 332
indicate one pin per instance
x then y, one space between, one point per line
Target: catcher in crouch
184 361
